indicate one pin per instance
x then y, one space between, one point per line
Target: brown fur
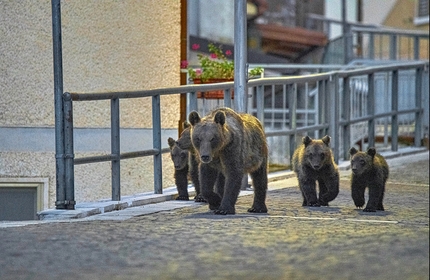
369 170
185 164
229 145
313 161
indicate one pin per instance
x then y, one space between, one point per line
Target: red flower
195 46
213 55
228 52
184 64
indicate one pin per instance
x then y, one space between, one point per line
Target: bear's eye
322 156
311 155
212 139
362 162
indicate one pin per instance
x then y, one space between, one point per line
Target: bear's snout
205 158
316 166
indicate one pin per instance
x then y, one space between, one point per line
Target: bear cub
313 161
185 164
369 170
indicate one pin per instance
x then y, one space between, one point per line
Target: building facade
107 46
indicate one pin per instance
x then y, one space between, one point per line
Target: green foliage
216 66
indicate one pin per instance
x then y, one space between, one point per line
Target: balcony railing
332 103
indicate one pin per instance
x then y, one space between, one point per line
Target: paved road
290 242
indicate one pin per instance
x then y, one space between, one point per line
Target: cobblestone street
290 242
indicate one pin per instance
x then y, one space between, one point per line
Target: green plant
215 66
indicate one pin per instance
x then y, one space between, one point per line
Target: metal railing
370 42
331 98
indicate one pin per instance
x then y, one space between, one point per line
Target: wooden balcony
289 42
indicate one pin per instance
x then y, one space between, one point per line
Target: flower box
212 94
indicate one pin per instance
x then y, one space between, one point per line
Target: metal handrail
328 95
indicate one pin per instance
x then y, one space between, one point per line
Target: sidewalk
184 240
109 208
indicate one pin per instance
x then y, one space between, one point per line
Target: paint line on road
321 218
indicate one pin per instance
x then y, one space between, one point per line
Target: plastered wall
108 45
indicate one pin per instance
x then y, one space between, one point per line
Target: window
22 198
422 12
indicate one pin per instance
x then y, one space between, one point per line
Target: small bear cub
369 170
186 165
313 161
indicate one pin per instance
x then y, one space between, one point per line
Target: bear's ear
306 140
194 118
171 142
185 125
371 152
220 118
352 151
326 140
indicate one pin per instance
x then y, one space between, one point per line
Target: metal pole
240 71
371 110
115 150
344 33
334 118
58 101
292 116
240 56
346 115
419 104
395 108
69 156
156 138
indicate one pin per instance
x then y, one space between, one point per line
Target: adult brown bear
229 145
313 161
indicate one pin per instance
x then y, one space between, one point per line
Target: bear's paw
224 212
199 198
257 210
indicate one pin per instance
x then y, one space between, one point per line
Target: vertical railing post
260 103
346 116
227 98
371 109
192 101
69 156
58 100
115 150
393 47
292 116
418 104
334 117
371 46
395 109
156 138
416 47
322 106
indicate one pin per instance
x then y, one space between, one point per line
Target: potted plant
214 68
